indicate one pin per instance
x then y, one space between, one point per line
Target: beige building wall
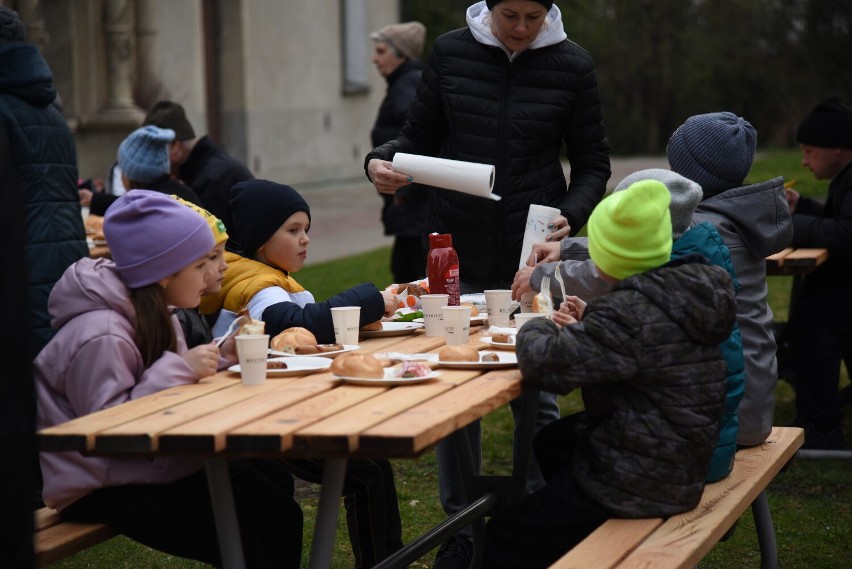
269 76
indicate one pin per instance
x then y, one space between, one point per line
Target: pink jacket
92 363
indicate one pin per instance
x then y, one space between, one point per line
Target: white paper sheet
466 177
536 230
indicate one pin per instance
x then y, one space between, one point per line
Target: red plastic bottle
442 267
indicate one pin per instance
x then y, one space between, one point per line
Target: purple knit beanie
492 3
151 236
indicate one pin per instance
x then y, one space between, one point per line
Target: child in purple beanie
118 340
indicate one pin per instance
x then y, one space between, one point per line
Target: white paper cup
498 304
346 321
521 319
84 212
433 317
252 353
526 301
456 324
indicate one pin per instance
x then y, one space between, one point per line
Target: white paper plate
507 359
391 329
497 345
389 379
296 365
403 357
478 320
332 355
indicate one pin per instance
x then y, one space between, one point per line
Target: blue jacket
706 241
45 160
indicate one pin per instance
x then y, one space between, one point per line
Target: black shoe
455 553
817 439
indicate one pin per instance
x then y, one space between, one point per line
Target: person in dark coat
647 358
45 159
199 162
396 56
510 90
820 325
143 160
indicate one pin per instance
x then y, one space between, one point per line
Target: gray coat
648 361
754 221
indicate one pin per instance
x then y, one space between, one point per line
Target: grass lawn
811 501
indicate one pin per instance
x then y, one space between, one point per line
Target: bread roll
357 365
474 311
501 338
458 354
252 326
289 339
490 357
542 304
373 326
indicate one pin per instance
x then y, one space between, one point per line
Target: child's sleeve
316 316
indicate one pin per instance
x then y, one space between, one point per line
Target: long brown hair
154 331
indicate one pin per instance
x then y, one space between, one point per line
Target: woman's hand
203 359
85 197
521 284
383 176
390 303
559 230
544 253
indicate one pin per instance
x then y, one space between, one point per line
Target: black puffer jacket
648 361
45 160
476 104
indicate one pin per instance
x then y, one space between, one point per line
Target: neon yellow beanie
631 231
216 225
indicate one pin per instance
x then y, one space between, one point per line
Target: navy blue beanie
828 125
492 3
11 26
714 150
258 209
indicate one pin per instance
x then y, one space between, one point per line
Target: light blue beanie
144 155
715 150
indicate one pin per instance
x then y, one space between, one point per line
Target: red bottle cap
440 240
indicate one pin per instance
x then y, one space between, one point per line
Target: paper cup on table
346 321
521 319
252 353
433 316
456 324
466 177
526 302
498 304
538 218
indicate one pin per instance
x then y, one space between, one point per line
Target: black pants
547 523
408 258
820 332
177 518
372 510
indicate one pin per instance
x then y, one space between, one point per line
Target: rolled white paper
466 177
536 230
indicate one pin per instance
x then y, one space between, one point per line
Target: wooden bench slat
608 545
55 539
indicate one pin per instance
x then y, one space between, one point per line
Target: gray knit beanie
144 155
685 195
715 150
11 26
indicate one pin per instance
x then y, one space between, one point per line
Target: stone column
32 17
119 45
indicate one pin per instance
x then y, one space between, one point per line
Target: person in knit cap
268 241
509 89
396 55
118 340
196 327
819 330
716 150
143 159
581 278
646 357
197 161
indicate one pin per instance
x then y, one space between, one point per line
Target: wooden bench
683 540
55 539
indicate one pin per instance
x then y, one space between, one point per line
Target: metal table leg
224 513
325 526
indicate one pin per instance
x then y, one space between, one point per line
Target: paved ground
345 218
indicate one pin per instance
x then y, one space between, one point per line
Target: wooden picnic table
312 416
797 262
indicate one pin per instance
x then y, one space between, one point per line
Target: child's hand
561 318
792 199
390 303
203 359
570 311
228 349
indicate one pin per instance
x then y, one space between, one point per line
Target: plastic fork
557 274
546 295
241 318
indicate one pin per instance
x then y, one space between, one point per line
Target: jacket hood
24 73
478 20
692 293
86 286
758 213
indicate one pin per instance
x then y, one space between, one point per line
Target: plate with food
321 350
478 320
465 357
364 369
284 367
500 341
380 329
